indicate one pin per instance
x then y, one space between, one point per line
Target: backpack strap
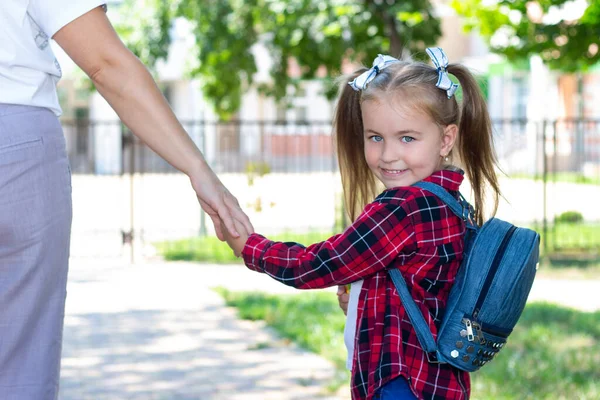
464 211
416 317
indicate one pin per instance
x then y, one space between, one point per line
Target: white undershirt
29 70
351 316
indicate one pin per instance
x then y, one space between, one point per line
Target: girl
397 123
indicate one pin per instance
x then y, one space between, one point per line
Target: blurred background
254 84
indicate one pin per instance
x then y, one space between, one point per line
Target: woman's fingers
227 220
343 298
238 214
218 227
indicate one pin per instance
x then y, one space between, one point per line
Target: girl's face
402 148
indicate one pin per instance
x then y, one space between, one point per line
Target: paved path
157 331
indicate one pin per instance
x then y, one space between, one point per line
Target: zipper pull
478 332
470 336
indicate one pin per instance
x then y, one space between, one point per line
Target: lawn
572 240
211 249
553 353
570 177
563 237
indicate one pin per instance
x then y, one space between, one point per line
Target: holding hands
236 243
220 205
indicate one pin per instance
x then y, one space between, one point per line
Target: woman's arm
126 84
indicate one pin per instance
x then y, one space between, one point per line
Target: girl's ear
448 139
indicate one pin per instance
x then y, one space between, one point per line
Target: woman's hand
343 298
220 205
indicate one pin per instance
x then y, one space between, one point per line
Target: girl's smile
392 173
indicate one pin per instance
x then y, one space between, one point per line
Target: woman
35 192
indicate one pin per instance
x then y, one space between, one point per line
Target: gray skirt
35 224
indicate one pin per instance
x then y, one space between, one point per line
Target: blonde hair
414 83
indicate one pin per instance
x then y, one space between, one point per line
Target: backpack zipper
492 272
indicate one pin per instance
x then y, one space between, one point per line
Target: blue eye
376 138
407 139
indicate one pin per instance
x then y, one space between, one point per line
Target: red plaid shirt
405 228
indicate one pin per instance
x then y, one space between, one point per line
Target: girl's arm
125 83
369 245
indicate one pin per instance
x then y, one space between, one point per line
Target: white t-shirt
29 70
351 316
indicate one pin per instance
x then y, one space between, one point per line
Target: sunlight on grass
313 320
211 249
553 353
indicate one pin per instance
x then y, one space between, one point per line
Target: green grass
568 177
576 243
553 353
211 249
572 237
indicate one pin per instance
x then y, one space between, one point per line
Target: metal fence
556 158
108 148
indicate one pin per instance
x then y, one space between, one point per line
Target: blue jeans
396 389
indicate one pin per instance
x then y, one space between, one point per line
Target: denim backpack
488 295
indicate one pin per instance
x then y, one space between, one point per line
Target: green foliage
569 217
143 25
553 353
318 35
256 170
211 249
568 45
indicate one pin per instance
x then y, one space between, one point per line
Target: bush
569 217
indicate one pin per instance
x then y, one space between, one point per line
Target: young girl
397 123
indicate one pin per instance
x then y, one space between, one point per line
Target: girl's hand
236 243
220 205
343 298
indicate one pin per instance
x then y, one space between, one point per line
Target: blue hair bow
380 62
440 60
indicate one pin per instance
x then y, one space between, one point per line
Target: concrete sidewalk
158 331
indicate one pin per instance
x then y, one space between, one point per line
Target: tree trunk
396 48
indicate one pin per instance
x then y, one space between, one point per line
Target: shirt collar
449 179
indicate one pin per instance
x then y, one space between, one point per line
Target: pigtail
475 142
358 182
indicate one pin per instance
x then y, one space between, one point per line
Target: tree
519 29
317 34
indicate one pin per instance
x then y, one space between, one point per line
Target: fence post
203 149
554 172
545 182
128 142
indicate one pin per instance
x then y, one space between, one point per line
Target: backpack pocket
469 345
